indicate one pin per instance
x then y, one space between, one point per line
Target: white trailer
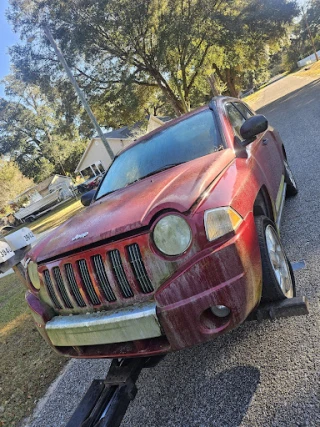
35 208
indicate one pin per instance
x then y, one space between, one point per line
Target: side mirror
86 198
252 127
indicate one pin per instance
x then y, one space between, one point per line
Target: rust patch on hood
134 206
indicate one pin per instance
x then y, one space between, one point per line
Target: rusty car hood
133 207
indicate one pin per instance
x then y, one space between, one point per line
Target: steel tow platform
106 401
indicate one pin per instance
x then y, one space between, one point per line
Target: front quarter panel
237 187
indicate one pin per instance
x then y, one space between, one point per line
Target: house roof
126 132
129 131
44 184
41 186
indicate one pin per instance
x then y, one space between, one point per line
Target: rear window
182 142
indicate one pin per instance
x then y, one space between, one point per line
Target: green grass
55 217
313 71
12 303
256 96
27 364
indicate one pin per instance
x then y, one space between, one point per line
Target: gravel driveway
262 374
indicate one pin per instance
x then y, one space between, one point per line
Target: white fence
308 60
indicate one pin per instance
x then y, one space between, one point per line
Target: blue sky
7 38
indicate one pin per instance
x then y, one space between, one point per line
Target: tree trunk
213 85
231 83
177 105
174 101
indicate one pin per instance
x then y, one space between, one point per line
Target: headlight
220 221
33 274
172 235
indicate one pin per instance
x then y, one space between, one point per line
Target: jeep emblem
80 236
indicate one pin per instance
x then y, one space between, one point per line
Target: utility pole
310 35
77 89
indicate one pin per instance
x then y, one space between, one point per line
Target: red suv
179 244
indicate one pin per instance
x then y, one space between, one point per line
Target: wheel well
263 205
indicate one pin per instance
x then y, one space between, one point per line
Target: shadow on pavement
307 94
231 383
214 400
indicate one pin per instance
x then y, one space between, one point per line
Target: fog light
220 310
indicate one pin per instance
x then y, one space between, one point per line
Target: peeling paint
224 272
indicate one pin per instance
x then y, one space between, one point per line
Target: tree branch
198 67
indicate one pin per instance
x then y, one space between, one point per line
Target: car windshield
187 140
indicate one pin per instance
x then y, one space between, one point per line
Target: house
95 160
52 183
37 199
39 191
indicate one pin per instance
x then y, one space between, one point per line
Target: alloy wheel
279 262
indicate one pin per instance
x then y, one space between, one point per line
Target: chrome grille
73 285
85 276
61 287
120 274
51 290
139 269
102 278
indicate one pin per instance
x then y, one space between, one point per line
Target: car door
264 150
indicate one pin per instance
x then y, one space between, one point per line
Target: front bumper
137 322
227 274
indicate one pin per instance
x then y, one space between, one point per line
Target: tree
253 32
313 19
37 132
152 43
12 183
172 46
301 44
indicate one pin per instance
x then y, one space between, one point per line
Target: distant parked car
94 183
89 184
178 246
82 188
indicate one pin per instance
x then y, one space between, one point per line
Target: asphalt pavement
261 374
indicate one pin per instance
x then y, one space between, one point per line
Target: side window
243 110
236 119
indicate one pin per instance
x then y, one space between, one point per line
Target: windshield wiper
163 168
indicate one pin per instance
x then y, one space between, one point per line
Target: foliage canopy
169 47
12 183
38 132
131 58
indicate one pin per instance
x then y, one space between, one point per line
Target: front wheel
277 276
292 188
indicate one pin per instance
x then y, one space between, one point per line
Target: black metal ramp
297 306
106 401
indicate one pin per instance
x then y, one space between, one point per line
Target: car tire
292 188
30 219
277 276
